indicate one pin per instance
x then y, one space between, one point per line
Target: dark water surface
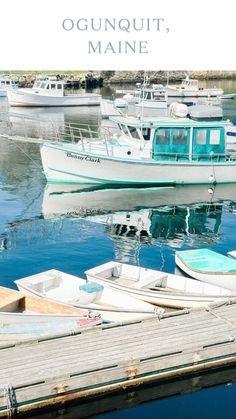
73 229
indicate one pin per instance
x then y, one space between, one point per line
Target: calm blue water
44 227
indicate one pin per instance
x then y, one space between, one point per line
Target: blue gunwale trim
107 181
162 183
114 181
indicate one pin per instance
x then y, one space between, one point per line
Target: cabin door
171 143
208 143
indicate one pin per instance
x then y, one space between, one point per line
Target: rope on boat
218 316
23 151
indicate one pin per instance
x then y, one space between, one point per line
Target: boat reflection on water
50 122
172 216
118 403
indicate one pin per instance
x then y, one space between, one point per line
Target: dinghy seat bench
149 279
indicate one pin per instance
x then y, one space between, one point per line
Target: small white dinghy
25 317
157 287
208 266
70 289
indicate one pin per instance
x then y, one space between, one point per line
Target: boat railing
26 128
39 129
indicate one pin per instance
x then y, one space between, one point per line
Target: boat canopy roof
166 121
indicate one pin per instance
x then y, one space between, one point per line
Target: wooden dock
50 372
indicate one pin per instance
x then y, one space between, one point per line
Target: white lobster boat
6 84
190 88
50 92
165 150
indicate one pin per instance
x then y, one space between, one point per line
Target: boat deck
108 109
51 371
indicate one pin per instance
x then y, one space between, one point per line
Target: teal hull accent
208 261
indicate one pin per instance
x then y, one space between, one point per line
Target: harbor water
74 228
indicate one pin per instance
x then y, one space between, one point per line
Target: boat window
180 136
43 85
134 133
37 84
48 86
8 82
215 136
201 136
146 133
124 129
53 86
59 86
163 136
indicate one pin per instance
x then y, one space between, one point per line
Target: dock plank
182 339
111 357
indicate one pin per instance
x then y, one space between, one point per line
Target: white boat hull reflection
82 200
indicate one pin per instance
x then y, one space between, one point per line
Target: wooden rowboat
24 317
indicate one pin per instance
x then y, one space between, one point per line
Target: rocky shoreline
98 79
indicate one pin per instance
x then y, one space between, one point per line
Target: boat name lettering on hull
85 158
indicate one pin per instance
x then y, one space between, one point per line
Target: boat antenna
144 85
167 78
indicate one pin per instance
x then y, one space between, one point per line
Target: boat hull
25 317
202 268
151 104
63 163
111 305
177 92
182 292
23 97
170 300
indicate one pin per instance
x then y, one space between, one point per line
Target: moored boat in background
190 88
50 92
6 84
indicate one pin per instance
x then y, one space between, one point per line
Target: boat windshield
189 83
45 85
135 132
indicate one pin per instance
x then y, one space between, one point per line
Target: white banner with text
122 35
